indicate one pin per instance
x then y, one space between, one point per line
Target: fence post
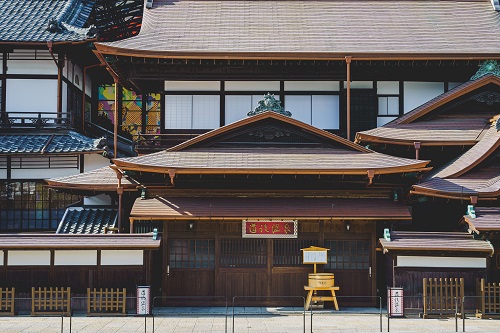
463 314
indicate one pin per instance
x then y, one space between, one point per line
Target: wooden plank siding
261 271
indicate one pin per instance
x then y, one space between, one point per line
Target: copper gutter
348 62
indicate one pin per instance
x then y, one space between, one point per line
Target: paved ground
214 319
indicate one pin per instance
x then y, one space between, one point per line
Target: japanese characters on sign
269 228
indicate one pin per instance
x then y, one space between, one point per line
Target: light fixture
347 226
191 225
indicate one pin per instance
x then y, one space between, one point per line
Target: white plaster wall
94 161
1 258
28 258
267 86
312 86
64 101
360 84
77 71
68 70
43 173
417 93
441 262
75 257
387 87
88 85
31 67
31 95
97 200
121 257
381 121
192 85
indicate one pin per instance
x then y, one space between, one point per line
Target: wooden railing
489 299
35 119
442 296
106 302
7 301
50 301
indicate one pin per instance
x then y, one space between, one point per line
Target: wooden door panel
232 282
289 282
191 282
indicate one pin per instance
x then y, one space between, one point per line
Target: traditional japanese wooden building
177 79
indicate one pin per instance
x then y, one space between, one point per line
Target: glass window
28 206
192 111
321 111
192 253
352 254
388 105
238 106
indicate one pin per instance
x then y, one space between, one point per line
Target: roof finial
269 103
487 67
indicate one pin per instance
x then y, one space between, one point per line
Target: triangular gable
445 98
257 122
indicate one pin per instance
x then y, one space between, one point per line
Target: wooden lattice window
348 254
192 253
243 253
287 252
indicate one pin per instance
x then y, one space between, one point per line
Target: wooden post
348 62
115 115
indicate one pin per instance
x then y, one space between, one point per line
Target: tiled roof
102 179
466 175
446 128
78 242
291 160
201 154
240 207
86 220
487 219
28 20
486 146
322 29
435 242
57 143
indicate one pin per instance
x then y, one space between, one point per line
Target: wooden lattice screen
106 301
489 300
442 296
50 301
7 301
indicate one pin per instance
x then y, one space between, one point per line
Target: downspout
84 92
115 127
348 62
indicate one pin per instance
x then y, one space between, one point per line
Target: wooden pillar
115 116
348 62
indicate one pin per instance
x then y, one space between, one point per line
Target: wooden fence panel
106 301
489 300
7 301
46 301
442 296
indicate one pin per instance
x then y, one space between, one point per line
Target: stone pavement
255 319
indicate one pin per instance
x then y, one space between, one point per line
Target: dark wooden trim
4 81
9 167
31 76
165 263
51 267
99 269
82 163
401 98
222 113
163 123
144 111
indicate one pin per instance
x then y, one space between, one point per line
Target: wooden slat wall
106 301
489 301
50 301
7 301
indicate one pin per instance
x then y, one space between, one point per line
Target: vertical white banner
395 301
143 300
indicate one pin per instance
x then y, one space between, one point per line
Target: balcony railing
35 120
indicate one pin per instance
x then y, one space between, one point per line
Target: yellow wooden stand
310 298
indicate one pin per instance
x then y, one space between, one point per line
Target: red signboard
270 228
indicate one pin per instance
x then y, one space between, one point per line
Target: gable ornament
487 67
269 103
